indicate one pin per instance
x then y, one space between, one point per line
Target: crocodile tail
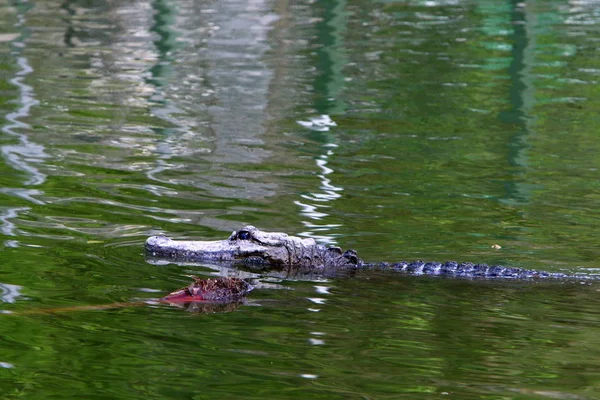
471 270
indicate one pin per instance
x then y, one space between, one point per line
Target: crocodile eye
244 235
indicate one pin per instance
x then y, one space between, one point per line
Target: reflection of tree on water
23 155
223 70
314 205
522 100
187 83
330 60
190 87
222 82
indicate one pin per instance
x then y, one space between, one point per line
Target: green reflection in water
459 126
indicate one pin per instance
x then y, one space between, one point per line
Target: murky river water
406 130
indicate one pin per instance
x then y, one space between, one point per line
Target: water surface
406 130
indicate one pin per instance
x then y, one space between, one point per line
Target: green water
406 130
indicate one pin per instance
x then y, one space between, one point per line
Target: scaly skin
253 248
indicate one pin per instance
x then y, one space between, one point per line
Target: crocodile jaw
248 252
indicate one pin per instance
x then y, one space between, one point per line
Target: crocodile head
248 245
253 247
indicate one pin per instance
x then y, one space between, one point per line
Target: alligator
254 249
263 251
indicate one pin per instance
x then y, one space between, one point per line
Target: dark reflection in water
407 130
521 96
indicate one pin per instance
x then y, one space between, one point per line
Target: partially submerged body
254 248
249 247
264 251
